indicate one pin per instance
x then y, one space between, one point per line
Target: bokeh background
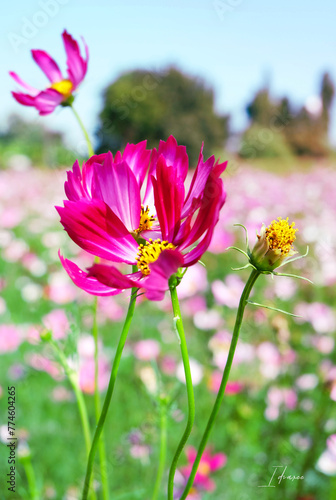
255 82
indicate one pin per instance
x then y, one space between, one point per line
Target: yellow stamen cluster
64 87
146 220
281 235
149 253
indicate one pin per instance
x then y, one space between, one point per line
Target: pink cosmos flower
60 88
113 214
209 463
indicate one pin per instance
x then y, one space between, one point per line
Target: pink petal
117 186
168 195
206 220
73 186
205 482
217 461
175 155
47 65
25 99
47 100
77 65
198 182
137 158
111 277
156 284
191 454
32 90
95 228
84 281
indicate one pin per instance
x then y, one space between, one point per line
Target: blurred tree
152 105
327 96
277 130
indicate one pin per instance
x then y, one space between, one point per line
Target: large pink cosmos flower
61 88
112 213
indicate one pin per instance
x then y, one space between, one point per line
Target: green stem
31 479
190 390
239 318
163 447
101 444
109 392
72 376
86 135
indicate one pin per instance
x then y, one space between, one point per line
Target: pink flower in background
87 374
321 316
57 322
233 387
107 216
196 370
44 364
60 87
277 397
146 350
86 367
10 338
209 463
327 461
228 293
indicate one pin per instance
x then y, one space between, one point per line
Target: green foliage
31 140
261 142
277 130
152 105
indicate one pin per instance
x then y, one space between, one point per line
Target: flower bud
274 245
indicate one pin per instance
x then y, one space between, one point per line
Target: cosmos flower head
61 88
274 245
134 209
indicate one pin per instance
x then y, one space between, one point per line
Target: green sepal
273 309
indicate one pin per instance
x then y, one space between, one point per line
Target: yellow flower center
64 87
149 253
281 235
146 220
204 468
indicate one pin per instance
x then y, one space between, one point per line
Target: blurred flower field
279 409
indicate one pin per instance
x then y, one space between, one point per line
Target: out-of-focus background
254 81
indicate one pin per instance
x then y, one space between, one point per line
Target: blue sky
235 45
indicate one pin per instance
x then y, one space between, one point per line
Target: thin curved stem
239 318
109 393
73 379
101 444
190 390
163 448
72 376
86 135
31 479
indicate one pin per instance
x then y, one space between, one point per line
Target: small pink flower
233 387
228 293
146 350
111 213
57 322
61 88
87 374
327 461
42 363
10 338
